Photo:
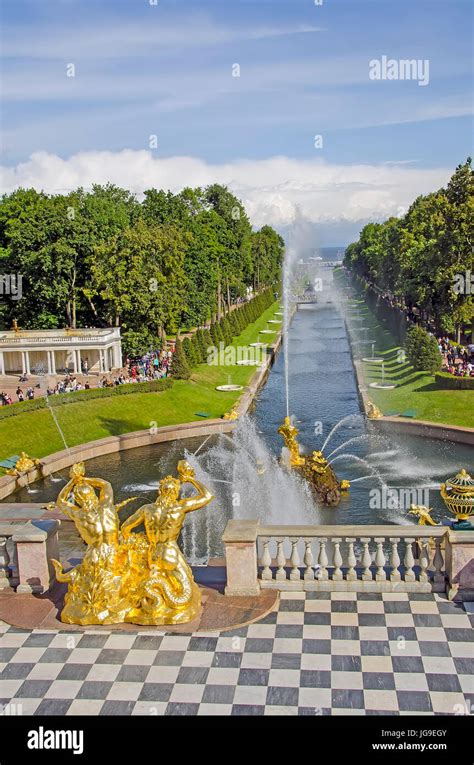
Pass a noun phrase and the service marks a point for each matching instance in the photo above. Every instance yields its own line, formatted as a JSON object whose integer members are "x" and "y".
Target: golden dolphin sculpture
{"x": 141, "y": 578}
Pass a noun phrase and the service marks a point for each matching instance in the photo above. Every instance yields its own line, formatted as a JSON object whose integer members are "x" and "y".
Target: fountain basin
{"x": 382, "y": 386}
{"x": 267, "y": 331}
{"x": 258, "y": 345}
{"x": 274, "y": 321}
{"x": 227, "y": 388}
{"x": 248, "y": 363}
{"x": 374, "y": 360}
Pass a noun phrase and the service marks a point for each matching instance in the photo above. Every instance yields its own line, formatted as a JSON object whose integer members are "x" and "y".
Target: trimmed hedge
{"x": 450, "y": 382}
{"x": 85, "y": 395}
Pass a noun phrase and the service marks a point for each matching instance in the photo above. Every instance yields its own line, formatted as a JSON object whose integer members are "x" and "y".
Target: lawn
{"x": 415, "y": 390}
{"x": 36, "y": 433}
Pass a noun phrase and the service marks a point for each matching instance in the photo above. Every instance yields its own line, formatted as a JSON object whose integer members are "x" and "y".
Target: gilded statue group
{"x": 141, "y": 578}
{"x": 314, "y": 467}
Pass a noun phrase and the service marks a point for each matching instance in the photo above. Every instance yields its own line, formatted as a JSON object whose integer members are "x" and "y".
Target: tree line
{"x": 196, "y": 349}
{"x": 425, "y": 258}
{"x": 103, "y": 258}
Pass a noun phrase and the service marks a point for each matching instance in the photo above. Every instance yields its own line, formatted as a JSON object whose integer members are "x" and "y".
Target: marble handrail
{"x": 351, "y": 557}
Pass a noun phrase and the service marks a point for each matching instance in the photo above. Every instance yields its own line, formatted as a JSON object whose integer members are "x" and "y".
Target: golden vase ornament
{"x": 458, "y": 496}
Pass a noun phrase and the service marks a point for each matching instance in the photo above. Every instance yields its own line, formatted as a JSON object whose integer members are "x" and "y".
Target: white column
{"x": 27, "y": 359}
{"x": 53, "y": 363}
{"x": 74, "y": 360}
{"x": 2, "y": 364}
{"x": 106, "y": 361}
{"x": 50, "y": 369}
{"x": 117, "y": 350}
{"x": 78, "y": 363}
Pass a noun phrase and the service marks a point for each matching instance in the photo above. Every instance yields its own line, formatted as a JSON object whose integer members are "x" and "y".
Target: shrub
{"x": 216, "y": 334}
{"x": 226, "y": 330}
{"x": 179, "y": 365}
{"x": 85, "y": 395}
{"x": 201, "y": 345}
{"x": 189, "y": 352}
{"x": 450, "y": 382}
{"x": 422, "y": 350}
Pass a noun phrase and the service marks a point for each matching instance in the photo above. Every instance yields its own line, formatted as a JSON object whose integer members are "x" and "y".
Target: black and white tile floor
{"x": 317, "y": 653}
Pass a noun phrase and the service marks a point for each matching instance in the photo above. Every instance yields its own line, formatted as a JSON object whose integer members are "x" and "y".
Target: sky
{"x": 274, "y": 98}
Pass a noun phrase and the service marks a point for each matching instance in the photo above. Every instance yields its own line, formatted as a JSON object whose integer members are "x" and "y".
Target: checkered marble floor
{"x": 317, "y": 653}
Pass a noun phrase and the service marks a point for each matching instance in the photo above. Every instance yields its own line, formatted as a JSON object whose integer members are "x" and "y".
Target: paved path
{"x": 319, "y": 653}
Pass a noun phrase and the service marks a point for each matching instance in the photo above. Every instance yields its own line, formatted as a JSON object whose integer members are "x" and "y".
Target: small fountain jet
{"x": 314, "y": 468}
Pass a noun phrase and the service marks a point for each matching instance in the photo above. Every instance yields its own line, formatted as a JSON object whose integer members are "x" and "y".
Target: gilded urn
{"x": 458, "y": 496}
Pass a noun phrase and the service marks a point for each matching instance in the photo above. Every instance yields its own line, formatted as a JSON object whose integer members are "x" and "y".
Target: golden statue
{"x": 289, "y": 433}
{"x": 232, "y": 415}
{"x": 23, "y": 465}
{"x": 314, "y": 467}
{"x": 125, "y": 577}
{"x": 373, "y": 412}
{"x": 168, "y": 594}
{"x": 96, "y": 589}
{"x": 423, "y": 514}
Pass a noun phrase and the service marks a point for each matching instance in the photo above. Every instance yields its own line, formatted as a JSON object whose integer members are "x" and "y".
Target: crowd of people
{"x": 151, "y": 366}
{"x": 457, "y": 360}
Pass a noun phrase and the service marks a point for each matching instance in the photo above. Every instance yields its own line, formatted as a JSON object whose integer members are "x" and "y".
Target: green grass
{"x": 36, "y": 433}
{"x": 415, "y": 390}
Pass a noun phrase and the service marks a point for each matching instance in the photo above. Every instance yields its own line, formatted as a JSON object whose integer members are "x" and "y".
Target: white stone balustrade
{"x": 328, "y": 558}
{"x": 26, "y": 550}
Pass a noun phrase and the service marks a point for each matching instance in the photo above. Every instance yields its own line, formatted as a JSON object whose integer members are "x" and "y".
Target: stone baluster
{"x": 351, "y": 560}
{"x": 12, "y": 562}
{"x": 366, "y": 560}
{"x": 266, "y": 559}
{"x": 409, "y": 560}
{"x": 438, "y": 562}
{"x": 294, "y": 559}
{"x": 394, "y": 560}
{"x": 308, "y": 560}
{"x": 380, "y": 575}
{"x": 322, "y": 559}
{"x": 281, "y": 560}
{"x": 4, "y": 558}
{"x": 424, "y": 560}
{"x": 337, "y": 558}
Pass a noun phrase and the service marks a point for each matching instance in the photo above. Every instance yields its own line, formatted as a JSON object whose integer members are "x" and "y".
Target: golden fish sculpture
{"x": 142, "y": 578}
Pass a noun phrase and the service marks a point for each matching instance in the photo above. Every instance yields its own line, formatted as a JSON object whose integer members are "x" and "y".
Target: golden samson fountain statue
{"x": 142, "y": 578}
{"x": 313, "y": 467}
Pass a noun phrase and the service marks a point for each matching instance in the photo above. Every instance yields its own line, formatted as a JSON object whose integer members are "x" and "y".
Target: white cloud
{"x": 273, "y": 190}
{"x": 106, "y": 38}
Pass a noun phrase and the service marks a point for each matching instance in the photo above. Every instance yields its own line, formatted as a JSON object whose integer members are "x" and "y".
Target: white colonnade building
{"x": 55, "y": 351}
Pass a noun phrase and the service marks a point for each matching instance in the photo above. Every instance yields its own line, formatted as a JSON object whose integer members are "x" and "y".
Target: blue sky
{"x": 143, "y": 69}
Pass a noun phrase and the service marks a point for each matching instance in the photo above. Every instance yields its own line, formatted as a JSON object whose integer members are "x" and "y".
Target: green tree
{"x": 179, "y": 365}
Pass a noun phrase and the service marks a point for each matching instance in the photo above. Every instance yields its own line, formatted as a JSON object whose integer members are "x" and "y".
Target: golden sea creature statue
{"x": 23, "y": 465}
{"x": 314, "y": 467}
{"x": 289, "y": 433}
{"x": 458, "y": 496}
{"x": 232, "y": 415}
{"x": 168, "y": 594}
{"x": 423, "y": 514}
{"x": 125, "y": 577}
{"x": 373, "y": 412}
{"x": 96, "y": 588}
